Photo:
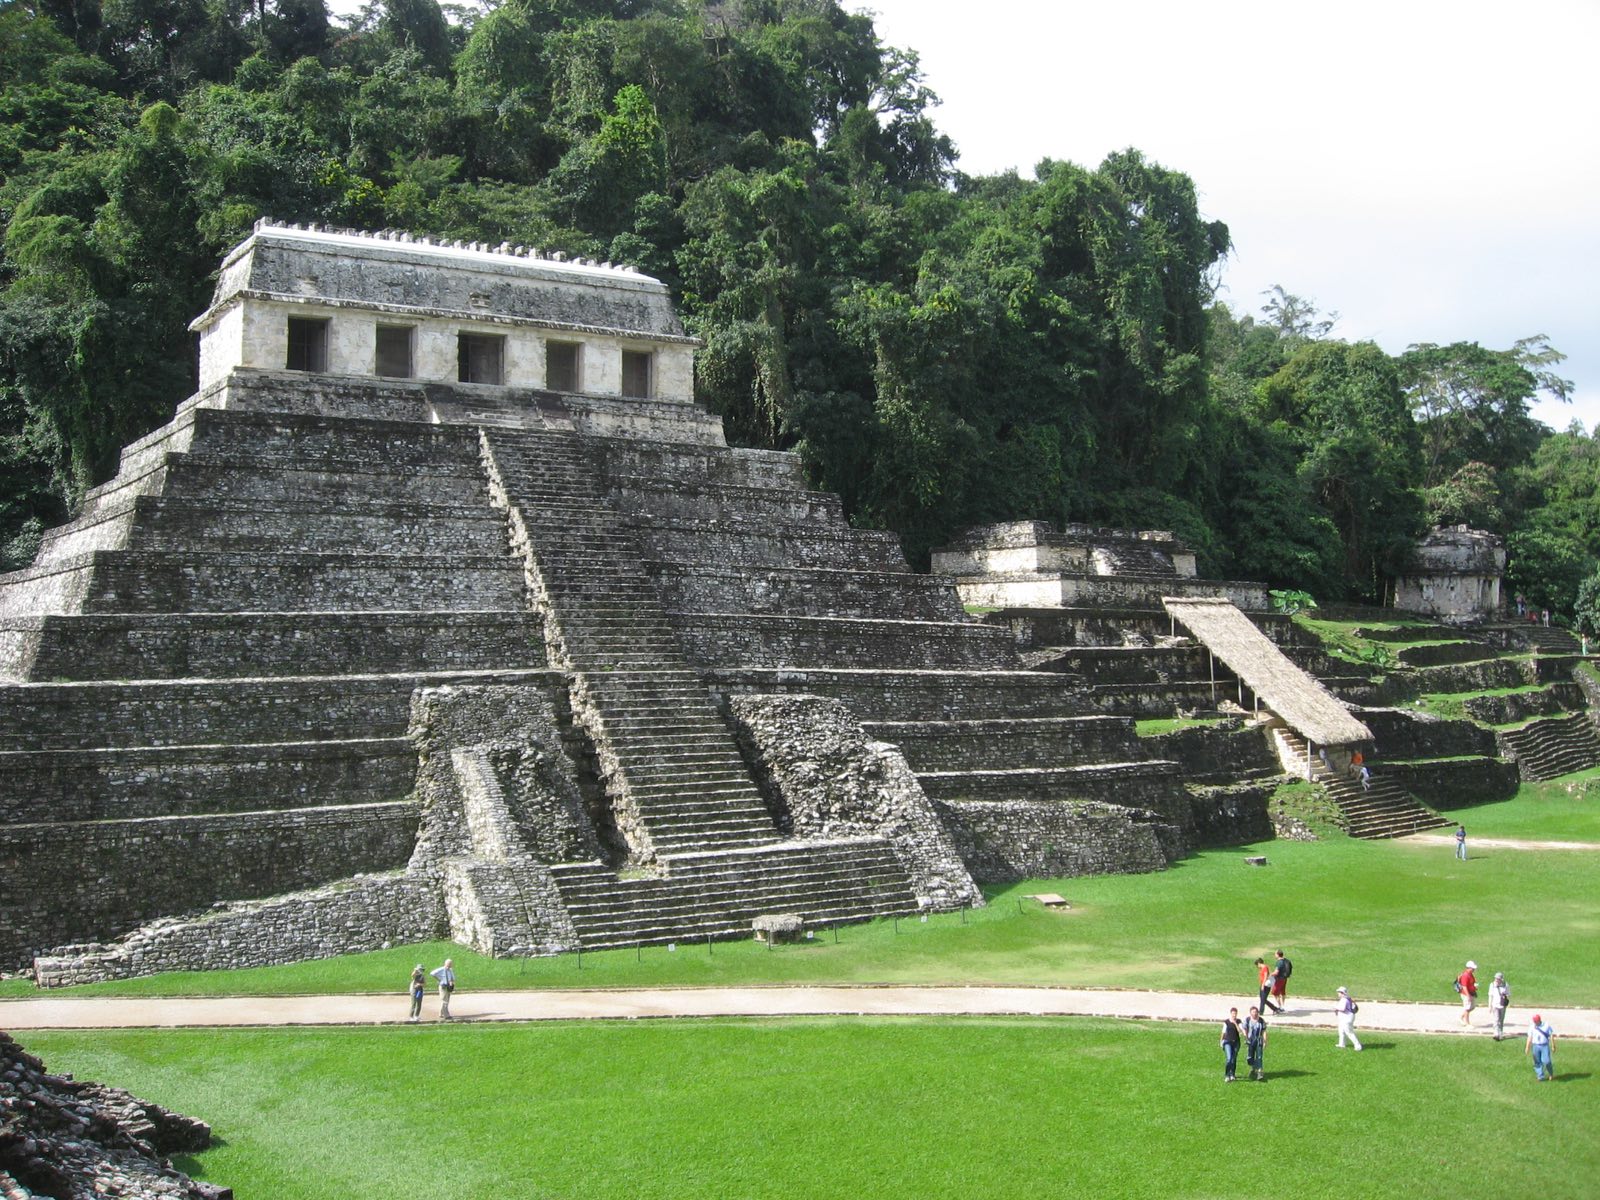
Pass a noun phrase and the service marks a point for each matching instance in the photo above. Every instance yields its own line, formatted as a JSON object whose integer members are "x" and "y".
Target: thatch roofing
{"x": 1304, "y": 704}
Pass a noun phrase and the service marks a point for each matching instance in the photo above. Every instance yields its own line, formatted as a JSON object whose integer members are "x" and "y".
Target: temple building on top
{"x": 388, "y": 305}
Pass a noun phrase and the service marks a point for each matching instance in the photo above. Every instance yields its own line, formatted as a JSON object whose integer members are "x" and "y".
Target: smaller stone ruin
{"x": 1027, "y": 564}
{"x": 69, "y": 1140}
{"x": 1454, "y": 576}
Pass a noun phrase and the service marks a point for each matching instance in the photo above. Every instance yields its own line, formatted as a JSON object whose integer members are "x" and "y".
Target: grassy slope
{"x": 1563, "y": 810}
{"x": 850, "y": 1108}
{"x": 1389, "y": 920}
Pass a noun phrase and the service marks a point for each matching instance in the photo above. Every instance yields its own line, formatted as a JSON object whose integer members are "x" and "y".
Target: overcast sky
{"x": 1429, "y": 170}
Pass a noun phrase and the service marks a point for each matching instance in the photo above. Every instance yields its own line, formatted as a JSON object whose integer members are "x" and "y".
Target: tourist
{"x": 1357, "y": 763}
{"x": 1499, "y": 1001}
{"x": 1281, "y": 971}
{"x": 1264, "y": 979}
{"x": 1255, "y": 1041}
{"x": 446, "y": 975}
{"x": 1540, "y": 1035}
{"x": 1461, "y": 843}
{"x": 1366, "y": 778}
{"x": 419, "y": 985}
{"x": 1467, "y": 985}
{"x": 1230, "y": 1045}
{"x": 1346, "y": 1012}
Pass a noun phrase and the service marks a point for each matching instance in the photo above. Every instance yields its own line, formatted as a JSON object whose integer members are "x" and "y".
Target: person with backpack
{"x": 1499, "y": 1001}
{"x": 1467, "y": 986}
{"x": 1461, "y": 842}
{"x": 1281, "y": 971}
{"x": 1230, "y": 1045}
{"x": 1345, "y": 1011}
{"x": 1540, "y": 1036}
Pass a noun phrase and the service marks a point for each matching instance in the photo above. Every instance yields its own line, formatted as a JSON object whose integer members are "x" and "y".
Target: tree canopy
{"x": 941, "y": 349}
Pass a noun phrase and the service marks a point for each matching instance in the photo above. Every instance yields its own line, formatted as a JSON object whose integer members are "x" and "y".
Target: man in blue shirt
{"x": 1540, "y": 1035}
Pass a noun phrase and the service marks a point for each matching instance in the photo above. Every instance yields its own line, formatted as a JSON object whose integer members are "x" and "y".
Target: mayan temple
{"x": 440, "y": 609}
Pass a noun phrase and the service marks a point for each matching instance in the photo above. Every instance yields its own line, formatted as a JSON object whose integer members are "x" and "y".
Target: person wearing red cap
{"x": 1540, "y": 1036}
{"x": 1467, "y": 985}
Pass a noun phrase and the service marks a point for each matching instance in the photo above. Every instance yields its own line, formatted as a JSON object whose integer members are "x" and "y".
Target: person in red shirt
{"x": 1467, "y": 985}
{"x": 1264, "y": 978}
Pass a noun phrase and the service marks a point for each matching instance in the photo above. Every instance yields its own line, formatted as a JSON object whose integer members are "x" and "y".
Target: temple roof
{"x": 397, "y": 273}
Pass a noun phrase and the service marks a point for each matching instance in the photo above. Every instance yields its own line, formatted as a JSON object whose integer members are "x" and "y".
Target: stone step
{"x": 219, "y": 645}
{"x": 699, "y": 586}
{"x": 776, "y": 545}
{"x": 63, "y": 716}
{"x": 1026, "y": 742}
{"x": 112, "y": 784}
{"x": 130, "y": 581}
{"x": 718, "y": 895}
{"x": 901, "y": 695}
{"x": 724, "y": 640}
{"x": 1127, "y": 783}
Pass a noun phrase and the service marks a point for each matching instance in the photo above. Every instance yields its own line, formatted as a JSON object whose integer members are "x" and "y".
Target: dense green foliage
{"x": 849, "y": 1107}
{"x": 942, "y": 349}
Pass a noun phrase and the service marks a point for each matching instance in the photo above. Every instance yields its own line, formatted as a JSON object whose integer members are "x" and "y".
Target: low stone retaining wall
{"x": 364, "y": 913}
{"x": 1003, "y": 841}
{"x": 1456, "y": 782}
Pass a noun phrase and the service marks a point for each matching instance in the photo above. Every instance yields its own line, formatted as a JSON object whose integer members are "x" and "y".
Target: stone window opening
{"x": 392, "y": 359}
{"x": 637, "y": 368}
{"x": 480, "y": 358}
{"x": 563, "y": 366}
{"x": 308, "y": 344}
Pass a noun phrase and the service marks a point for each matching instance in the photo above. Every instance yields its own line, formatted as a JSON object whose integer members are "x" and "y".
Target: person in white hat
{"x": 1467, "y": 985}
{"x": 1346, "y": 1012}
{"x": 1499, "y": 1001}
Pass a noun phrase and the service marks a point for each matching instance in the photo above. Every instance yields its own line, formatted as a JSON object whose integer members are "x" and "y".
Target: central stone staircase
{"x": 683, "y": 795}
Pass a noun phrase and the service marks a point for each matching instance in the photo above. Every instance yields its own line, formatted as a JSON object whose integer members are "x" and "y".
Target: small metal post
{"x": 580, "y": 956}
{"x": 963, "y": 914}
{"x": 708, "y": 945}
{"x": 835, "y": 935}
{"x": 638, "y": 951}
{"x": 897, "y": 923}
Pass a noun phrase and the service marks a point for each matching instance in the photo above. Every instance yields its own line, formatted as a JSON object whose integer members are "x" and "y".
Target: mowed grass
{"x": 821, "y": 1108}
{"x": 1557, "y": 810}
{"x": 1392, "y": 920}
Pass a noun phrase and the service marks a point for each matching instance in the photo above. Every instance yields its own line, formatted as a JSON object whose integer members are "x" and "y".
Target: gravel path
{"x": 82, "y": 1012}
{"x": 1494, "y": 843}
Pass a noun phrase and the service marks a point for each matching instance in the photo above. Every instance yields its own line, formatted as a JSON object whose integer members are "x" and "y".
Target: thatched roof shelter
{"x": 1304, "y": 704}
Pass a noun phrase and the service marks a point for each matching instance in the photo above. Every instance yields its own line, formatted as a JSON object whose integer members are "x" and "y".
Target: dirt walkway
{"x": 1494, "y": 843}
{"x": 116, "y": 1012}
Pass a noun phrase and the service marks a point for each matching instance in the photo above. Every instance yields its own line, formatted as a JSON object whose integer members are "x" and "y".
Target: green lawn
{"x": 849, "y": 1108}
{"x": 1389, "y": 920}
{"x": 1559, "y": 810}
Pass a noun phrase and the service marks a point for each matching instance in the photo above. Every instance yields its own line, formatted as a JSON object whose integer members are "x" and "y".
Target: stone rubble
{"x": 69, "y": 1140}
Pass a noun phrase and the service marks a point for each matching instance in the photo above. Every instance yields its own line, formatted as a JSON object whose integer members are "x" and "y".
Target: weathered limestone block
{"x": 778, "y": 927}
{"x": 827, "y": 780}
{"x": 1004, "y": 841}
{"x": 506, "y": 908}
{"x": 515, "y": 777}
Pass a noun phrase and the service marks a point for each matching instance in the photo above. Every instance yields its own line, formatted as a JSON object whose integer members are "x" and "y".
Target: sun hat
{"x": 1341, "y": 989}
{"x": 1471, "y": 966}
{"x": 1499, "y": 974}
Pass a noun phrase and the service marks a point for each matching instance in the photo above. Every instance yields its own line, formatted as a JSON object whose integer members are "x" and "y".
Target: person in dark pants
{"x": 1255, "y": 1044}
{"x": 1264, "y": 977}
{"x": 1230, "y": 1045}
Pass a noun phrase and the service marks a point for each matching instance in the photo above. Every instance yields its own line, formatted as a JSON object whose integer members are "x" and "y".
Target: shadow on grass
{"x": 192, "y": 1166}
{"x": 1290, "y": 1074}
{"x": 1571, "y": 1077}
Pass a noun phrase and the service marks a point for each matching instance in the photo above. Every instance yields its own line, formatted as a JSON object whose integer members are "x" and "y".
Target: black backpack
{"x": 1288, "y": 968}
